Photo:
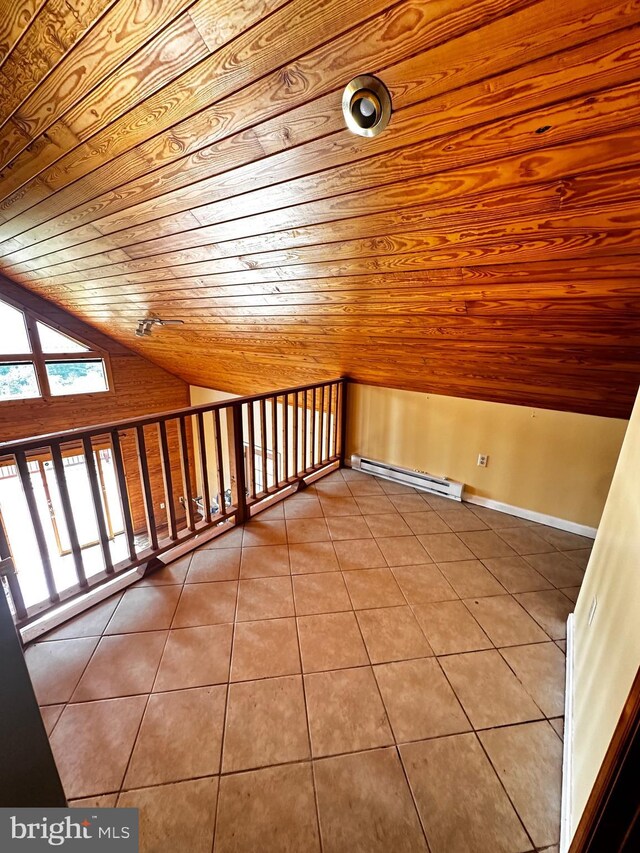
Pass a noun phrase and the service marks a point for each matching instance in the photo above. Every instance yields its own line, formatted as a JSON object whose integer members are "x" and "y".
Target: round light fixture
{"x": 366, "y": 106}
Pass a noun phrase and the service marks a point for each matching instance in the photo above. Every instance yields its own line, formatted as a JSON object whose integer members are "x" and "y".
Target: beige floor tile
{"x": 462, "y": 519}
{"x": 362, "y": 488}
{"x": 365, "y": 805}
{"x": 331, "y": 488}
{"x": 562, "y": 539}
{"x": 122, "y": 665}
{"x": 579, "y": 557}
{"x": 180, "y": 737}
{"x": 300, "y": 506}
{"x": 462, "y": 804}
{"x": 50, "y": 715}
{"x": 392, "y": 633}
{"x": 320, "y": 593}
{"x": 470, "y": 578}
{"x": 89, "y": 624}
{"x": 144, "y": 609}
{"x": 177, "y": 817}
{"x": 541, "y": 669}
{"x": 307, "y": 530}
{"x": 408, "y": 503}
{"x": 419, "y": 701}
{"x": 231, "y": 538}
{"x": 271, "y": 513}
{"x": 557, "y": 568}
{"x": 450, "y": 628}
{"x": 55, "y": 667}
{"x": 264, "y": 533}
{"x": 528, "y": 760}
{"x": 106, "y": 801}
{"x": 497, "y": 520}
{"x": 222, "y": 564}
{"x": 504, "y": 621}
{"x": 272, "y": 810}
{"x": 387, "y": 524}
{"x": 206, "y": 604}
{"x": 264, "y": 598}
{"x": 489, "y": 692}
{"x": 172, "y": 573}
{"x": 266, "y": 724}
{"x": 339, "y": 505}
{"x": 265, "y": 649}
{"x": 348, "y": 527}
{"x": 562, "y": 645}
{"x": 359, "y": 554}
{"x": 373, "y": 588}
{"x": 375, "y": 504}
{"x": 423, "y": 584}
{"x": 346, "y": 713}
{"x": 524, "y": 540}
{"x": 331, "y": 641}
{"x": 486, "y": 543}
{"x": 92, "y": 743}
{"x": 445, "y": 547}
{"x": 550, "y": 609}
{"x": 515, "y": 574}
{"x": 403, "y": 551}
{"x": 558, "y": 726}
{"x": 195, "y": 657}
{"x": 425, "y": 522}
{"x": 391, "y": 488}
{"x": 311, "y": 557}
{"x": 571, "y": 592}
{"x": 264, "y": 561}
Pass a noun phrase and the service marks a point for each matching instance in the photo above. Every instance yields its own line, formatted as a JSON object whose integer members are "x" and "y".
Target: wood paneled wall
{"x": 188, "y": 158}
{"x": 140, "y": 388}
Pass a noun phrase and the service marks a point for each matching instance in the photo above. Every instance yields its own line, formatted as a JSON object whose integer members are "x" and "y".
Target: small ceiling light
{"x": 145, "y": 326}
{"x": 366, "y": 106}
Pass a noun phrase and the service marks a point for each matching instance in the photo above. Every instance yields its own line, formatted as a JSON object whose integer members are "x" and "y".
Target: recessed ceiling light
{"x": 366, "y": 106}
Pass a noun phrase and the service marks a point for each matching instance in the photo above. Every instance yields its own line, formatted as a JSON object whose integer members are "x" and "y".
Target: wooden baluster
{"x": 343, "y": 421}
{"x": 321, "y": 428}
{"x": 314, "y": 433}
{"x": 121, "y": 478}
{"x": 304, "y": 432}
{"x": 9, "y": 571}
{"x": 45, "y": 557}
{"x": 336, "y": 417}
{"x": 185, "y": 467}
{"x": 329, "y": 416}
{"x": 285, "y": 436}
{"x": 251, "y": 449}
{"x": 263, "y": 443}
{"x": 274, "y": 442}
{"x": 237, "y": 464}
{"x": 67, "y": 511}
{"x": 147, "y": 493}
{"x": 96, "y": 495}
{"x": 219, "y": 462}
{"x": 165, "y": 460}
{"x": 204, "y": 468}
{"x": 296, "y": 450}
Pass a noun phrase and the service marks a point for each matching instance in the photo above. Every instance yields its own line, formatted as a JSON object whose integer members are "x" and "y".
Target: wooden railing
{"x": 176, "y": 477}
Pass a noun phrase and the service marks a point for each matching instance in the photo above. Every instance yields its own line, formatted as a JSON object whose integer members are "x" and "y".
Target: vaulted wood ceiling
{"x": 190, "y": 160}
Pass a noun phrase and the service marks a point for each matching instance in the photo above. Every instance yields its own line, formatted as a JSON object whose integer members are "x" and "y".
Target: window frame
{"x": 39, "y": 359}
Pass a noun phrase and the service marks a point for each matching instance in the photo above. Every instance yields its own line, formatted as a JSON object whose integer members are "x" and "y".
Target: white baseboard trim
{"x": 532, "y": 515}
{"x": 567, "y": 752}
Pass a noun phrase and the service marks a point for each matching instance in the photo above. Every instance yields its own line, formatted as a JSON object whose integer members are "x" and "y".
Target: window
{"x": 37, "y": 360}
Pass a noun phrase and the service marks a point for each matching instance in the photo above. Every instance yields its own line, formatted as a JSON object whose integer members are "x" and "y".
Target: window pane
{"x": 54, "y": 341}
{"x": 18, "y": 381}
{"x": 13, "y": 332}
{"x": 76, "y": 377}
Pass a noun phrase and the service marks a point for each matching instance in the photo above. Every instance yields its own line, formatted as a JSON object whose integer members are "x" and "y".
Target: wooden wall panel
{"x": 487, "y": 244}
{"x": 140, "y": 388}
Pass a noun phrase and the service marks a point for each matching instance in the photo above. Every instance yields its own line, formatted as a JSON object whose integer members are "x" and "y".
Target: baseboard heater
{"x": 441, "y": 486}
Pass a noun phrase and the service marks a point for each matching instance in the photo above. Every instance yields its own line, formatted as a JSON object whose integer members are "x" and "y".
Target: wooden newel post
{"x": 237, "y": 465}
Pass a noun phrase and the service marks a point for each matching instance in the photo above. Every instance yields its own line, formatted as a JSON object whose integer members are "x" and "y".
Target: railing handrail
{"x": 78, "y": 433}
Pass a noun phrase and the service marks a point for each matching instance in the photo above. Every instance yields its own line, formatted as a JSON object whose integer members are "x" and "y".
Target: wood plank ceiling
{"x": 189, "y": 160}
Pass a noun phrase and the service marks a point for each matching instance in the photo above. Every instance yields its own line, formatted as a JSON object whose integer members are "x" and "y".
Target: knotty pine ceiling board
{"x": 188, "y": 159}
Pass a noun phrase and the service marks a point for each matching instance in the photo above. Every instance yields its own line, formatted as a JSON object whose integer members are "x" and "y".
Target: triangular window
{"x": 53, "y": 341}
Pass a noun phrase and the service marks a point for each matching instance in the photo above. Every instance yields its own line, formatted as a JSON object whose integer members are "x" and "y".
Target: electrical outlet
{"x": 483, "y": 460}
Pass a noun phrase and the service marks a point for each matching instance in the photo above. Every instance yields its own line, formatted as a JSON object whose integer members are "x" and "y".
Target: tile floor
{"x": 361, "y": 668}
